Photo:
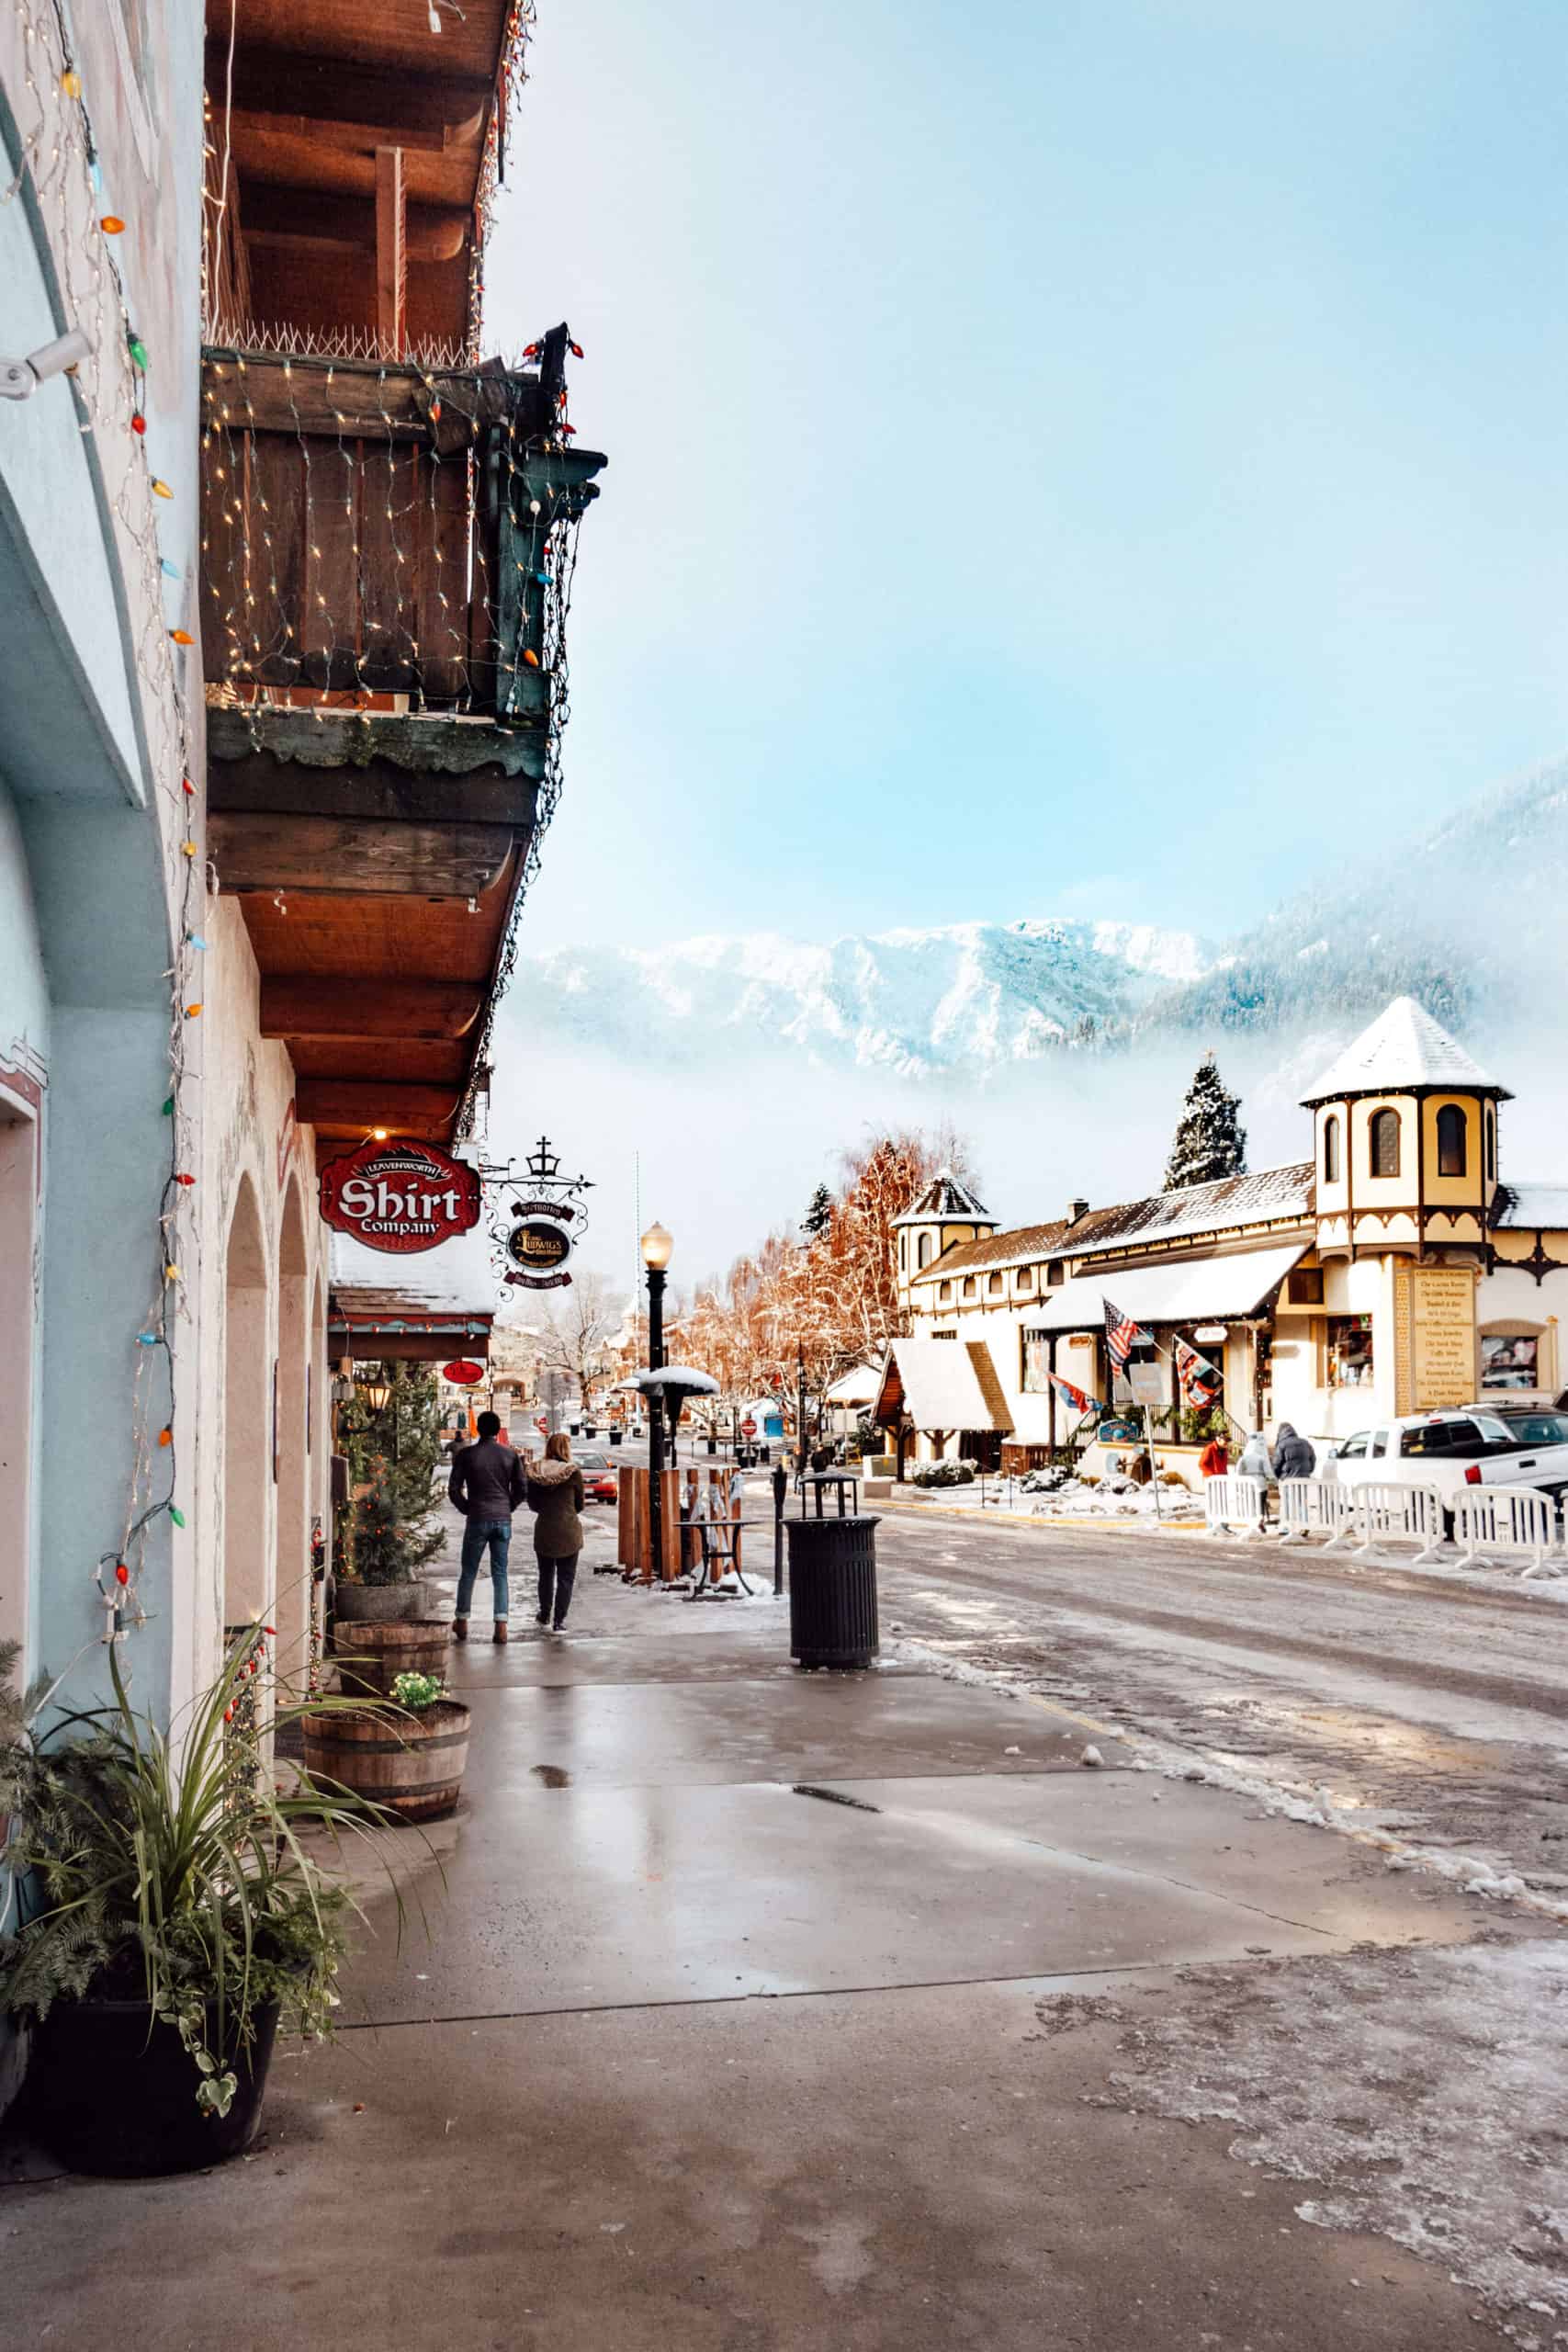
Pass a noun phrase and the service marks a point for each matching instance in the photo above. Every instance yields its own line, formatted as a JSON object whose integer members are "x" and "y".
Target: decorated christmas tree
{"x": 1210, "y": 1140}
{"x": 397, "y": 1450}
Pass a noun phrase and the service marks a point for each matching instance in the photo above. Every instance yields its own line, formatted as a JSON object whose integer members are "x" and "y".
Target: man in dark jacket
{"x": 1294, "y": 1457}
{"x": 487, "y": 1485}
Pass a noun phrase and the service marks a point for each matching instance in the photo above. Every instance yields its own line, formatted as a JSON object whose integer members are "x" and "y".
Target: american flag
{"x": 1075, "y": 1397}
{"x": 1200, "y": 1381}
{"x": 1121, "y": 1335}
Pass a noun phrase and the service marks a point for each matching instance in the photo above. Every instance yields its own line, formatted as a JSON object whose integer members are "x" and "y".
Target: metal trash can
{"x": 615, "y": 1437}
{"x": 832, "y": 1591}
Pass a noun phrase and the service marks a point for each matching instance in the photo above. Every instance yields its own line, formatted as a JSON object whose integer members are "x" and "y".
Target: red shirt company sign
{"x": 399, "y": 1196}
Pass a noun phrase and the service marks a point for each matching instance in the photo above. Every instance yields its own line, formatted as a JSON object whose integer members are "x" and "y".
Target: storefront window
{"x": 1509, "y": 1359}
{"x": 1350, "y": 1351}
{"x": 1036, "y": 1365}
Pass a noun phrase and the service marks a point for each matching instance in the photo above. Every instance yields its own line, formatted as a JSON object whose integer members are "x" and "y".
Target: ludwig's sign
{"x": 540, "y": 1248}
{"x": 399, "y": 1196}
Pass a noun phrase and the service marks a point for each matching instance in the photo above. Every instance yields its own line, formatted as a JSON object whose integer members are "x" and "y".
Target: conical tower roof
{"x": 945, "y": 1198}
{"x": 1403, "y": 1051}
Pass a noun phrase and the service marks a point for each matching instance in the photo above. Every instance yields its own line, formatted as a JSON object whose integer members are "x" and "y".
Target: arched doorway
{"x": 247, "y": 1414}
{"x": 292, "y": 1457}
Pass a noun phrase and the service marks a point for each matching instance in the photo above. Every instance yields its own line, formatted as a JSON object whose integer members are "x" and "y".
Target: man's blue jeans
{"x": 497, "y": 1533}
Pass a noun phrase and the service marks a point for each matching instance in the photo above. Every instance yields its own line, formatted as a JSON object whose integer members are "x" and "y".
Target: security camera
{"x": 19, "y": 378}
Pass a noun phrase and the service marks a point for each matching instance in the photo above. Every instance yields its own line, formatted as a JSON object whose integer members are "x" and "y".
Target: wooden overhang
{"x": 350, "y": 144}
{"x": 381, "y": 1326}
{"x": 377, "y": 635}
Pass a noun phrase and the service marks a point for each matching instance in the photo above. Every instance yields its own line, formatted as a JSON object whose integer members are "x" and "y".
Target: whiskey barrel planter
{"x": 380, "y": 1602}
{"x": 411, "y": 1764}
{"x": 370, "y": 1656}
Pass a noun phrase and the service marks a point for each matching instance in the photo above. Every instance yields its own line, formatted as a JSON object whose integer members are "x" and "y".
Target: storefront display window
{"x": 1510, "y": 1359}
{"x": 1350, "y": 1351}
{"x": 1036, "y": 1363}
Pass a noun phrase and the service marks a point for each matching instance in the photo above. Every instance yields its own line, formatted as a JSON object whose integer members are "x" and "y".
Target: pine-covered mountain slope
{"x": 1470, "y": 921}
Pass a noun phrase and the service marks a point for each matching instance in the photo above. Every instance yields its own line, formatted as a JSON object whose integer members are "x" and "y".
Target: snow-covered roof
{"x": 1538, "y": 1208}
{"x": 945, "y": 1197}
{"x": 1267, "y": 1197}
{"x": 856, "y": 1386}
{"x": 941, "y": 1385}
{"x": 1192, "y": 1290}
{"x": 1404, "y": 1048}
{"x": 455, "y": 1278}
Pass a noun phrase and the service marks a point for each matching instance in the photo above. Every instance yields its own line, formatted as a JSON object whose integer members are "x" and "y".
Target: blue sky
{"x": 1096, "y": 459}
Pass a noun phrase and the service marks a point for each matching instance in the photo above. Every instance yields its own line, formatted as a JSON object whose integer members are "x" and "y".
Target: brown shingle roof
{"x": 1270, "y": 1194}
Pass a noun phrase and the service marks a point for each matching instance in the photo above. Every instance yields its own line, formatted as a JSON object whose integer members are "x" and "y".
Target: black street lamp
{"x": 657, "y": 1247}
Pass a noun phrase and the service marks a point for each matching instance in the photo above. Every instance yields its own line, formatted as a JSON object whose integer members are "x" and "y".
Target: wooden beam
{"x": 391, "y": 252}
{"x": 345, "y": 1106}
{"x": 288, "y": 91}
{"x": 322, "y": 220}
{"x": 267, "y": 784}
{"x": 303, "y": 855}
{"x": 322, "y": 1010}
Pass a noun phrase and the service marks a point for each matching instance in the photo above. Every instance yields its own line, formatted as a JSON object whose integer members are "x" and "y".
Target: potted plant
{"x": 410, "y": 1762}
{"x": 167, "y": 1916}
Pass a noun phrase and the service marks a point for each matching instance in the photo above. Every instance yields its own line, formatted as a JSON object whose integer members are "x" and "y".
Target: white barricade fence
{"x": 1390, "y": 1514}
{"x": 1315, "y": 1506}
{"x": 1506, "y": 1523}
{"x": 1234, "y": 1502}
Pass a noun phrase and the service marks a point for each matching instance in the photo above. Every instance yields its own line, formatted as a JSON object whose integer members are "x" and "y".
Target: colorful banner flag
{"x": 1121, "y": 1335}
{"x": 1075, "y": 1397}
{"x": 1200, "y": 1380}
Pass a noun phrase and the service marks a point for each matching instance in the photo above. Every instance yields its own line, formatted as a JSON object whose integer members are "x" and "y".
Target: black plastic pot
{"x": 106, "y": 2097}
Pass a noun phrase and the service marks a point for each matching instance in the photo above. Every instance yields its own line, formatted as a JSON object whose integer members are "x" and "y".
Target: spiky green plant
{"x": 146, "y": 1867}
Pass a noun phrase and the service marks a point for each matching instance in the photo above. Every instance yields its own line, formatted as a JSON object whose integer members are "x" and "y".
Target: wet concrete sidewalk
{"x": 735, "y": 2033}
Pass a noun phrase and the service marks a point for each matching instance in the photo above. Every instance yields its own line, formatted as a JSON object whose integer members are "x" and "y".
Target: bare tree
{"x": 579, "y": 1326}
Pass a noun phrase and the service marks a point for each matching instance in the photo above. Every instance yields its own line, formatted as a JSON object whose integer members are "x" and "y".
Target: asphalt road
{"x": 1434, "y": 1709}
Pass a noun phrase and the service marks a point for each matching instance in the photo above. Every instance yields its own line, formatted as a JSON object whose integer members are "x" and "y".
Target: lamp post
{"x": 657, "y": 1246}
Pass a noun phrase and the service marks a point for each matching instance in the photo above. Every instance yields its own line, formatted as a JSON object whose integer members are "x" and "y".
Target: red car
{"x": 598, "y": 1478}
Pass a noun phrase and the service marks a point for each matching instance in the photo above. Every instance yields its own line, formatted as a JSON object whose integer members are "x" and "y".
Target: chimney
{"x": 1077, "y": 1208}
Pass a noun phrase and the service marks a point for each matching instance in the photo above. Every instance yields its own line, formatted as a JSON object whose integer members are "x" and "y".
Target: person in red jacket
{"x": 1215, "y": 1460}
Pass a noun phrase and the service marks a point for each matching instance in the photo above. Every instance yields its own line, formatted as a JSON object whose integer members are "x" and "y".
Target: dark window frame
{"x": 1331, "y": 1163}
{"x": 1453, "y": 1147}
{"x": 1385, "y": 1123}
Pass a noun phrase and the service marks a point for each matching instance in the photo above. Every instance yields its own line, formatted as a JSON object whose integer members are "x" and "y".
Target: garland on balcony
{"x": 60, "y": 172}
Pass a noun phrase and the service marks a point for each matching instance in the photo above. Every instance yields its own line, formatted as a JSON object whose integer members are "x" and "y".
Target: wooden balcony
{"x": 386, "y": 563}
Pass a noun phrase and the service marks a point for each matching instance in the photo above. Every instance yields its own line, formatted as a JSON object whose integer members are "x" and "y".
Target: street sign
{"x": 463, "y": 1373}
{"x": 1147, "y": 1383}
{"x": 399, "y": 1196}
{"x": 748, "y": 1427}
{"x": 543, "y": 1425}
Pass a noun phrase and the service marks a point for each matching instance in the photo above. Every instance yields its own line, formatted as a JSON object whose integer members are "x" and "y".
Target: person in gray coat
{"x": 556, "y": 1497}
{"x": 1294, "y": 1456}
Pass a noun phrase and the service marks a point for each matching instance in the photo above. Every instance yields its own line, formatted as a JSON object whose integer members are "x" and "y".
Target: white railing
{"x": 1315, "y": 1506}
{"x": 1234, "y": 1501}
{"x": 1507, "y": 1524}
{"x": 1390, "y": 1514}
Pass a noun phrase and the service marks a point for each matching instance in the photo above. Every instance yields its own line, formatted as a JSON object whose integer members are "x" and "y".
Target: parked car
{"x": 598, "y": 1477}
{"x": 1490, "y": 1444}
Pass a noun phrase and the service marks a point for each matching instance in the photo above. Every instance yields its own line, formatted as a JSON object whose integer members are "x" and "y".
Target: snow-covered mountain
{"x": 1469, "y": 920}
{"x": 970, "y": 995}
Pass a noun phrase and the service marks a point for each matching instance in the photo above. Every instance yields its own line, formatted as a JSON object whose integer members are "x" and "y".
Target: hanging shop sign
{"x": 399, "y": 1196}
{"x": 538, "y": 1247}
{"x": 464, "y": 1372}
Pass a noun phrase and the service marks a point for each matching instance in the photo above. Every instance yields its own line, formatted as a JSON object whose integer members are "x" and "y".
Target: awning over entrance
{"x": 1193, "y": 1290}
{"x": 421, "y": 1308}
{"x": 941, "y": 1385}
{"x": 372, "y": 1329}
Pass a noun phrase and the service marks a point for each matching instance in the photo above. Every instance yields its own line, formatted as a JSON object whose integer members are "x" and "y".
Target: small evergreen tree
{"x": 1210, "y": 1141}
{"x": 819, "y": 1215}
{"x": 397, "y": 1449}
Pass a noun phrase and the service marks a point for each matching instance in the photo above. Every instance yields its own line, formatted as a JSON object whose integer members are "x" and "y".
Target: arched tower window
{"x": 1331, "y": 1149}
{"x": 1491, "y": 1144}
{"x": 1385, "y": 1143}
{"x": 924, "y": 1250}
{"x": 903, "y": 1253}
{"x": 1452, "y": 1140}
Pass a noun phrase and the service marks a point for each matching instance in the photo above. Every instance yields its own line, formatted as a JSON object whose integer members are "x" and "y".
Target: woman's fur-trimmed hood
{"x": 552, "y": 1474}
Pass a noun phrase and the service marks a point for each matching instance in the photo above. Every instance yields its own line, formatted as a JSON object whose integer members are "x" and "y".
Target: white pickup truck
{"x": 1499, "y": 1445}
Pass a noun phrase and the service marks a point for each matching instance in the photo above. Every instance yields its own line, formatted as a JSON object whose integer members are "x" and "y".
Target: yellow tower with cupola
{"x": 946, "y": 1213}
{"x": 1406, "y": 1152}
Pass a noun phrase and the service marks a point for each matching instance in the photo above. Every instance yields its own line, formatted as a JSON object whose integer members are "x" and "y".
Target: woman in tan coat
{"x": 554, "y": 1497}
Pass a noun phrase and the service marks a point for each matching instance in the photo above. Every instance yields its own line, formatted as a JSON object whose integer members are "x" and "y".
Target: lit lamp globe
{"x": 656, "y": 1249}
